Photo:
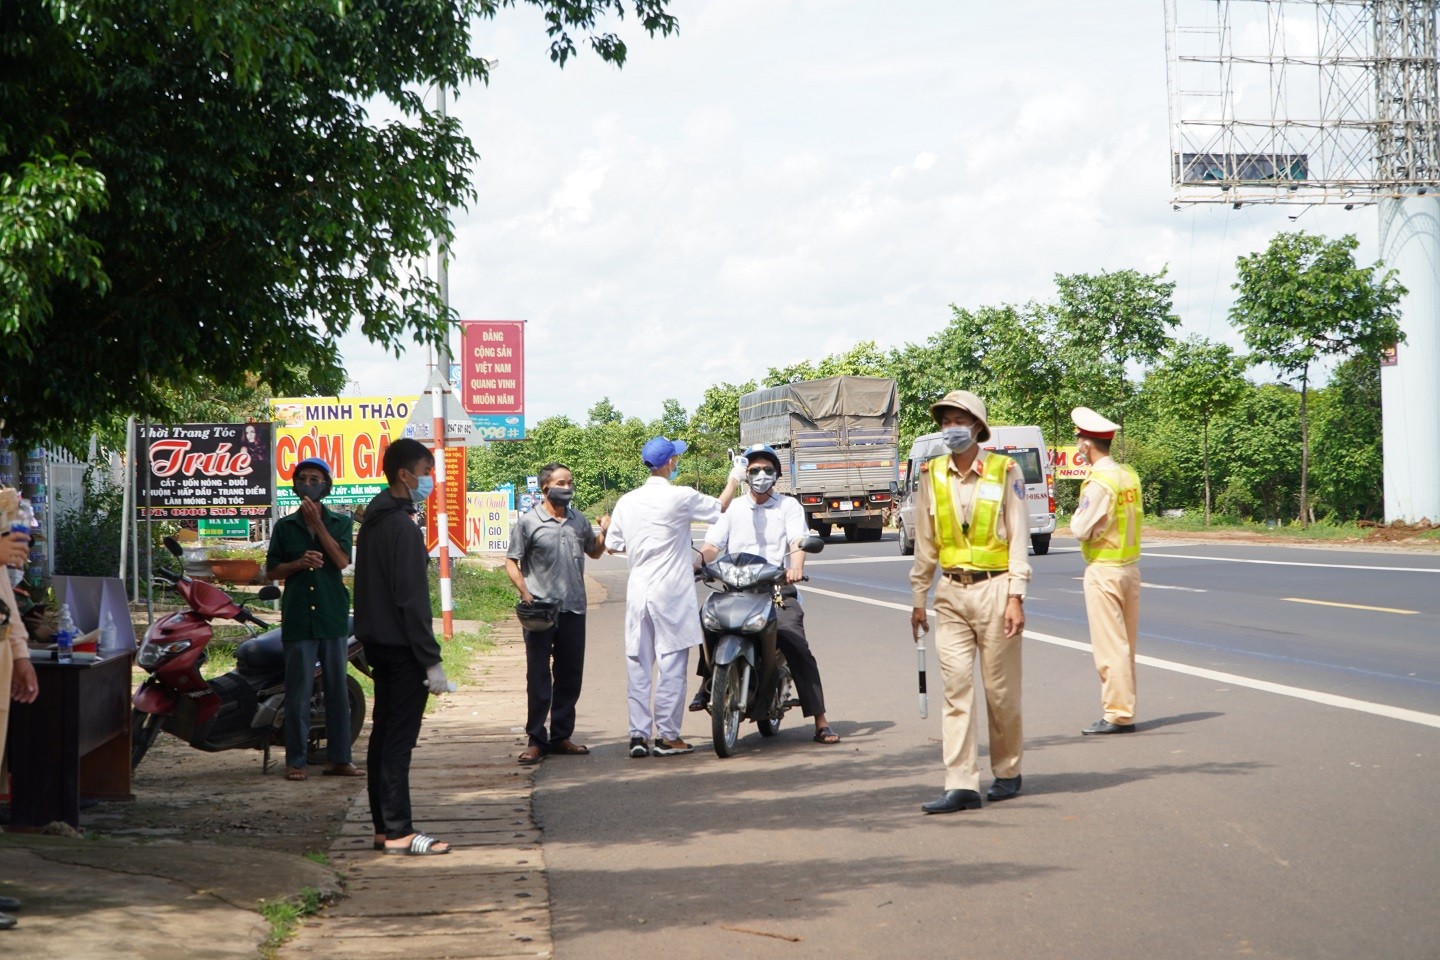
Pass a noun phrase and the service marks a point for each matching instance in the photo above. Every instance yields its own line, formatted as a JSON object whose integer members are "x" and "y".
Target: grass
{"x": 285, "y": 915}
{"x": 476, "y": 591}
{"x": 1322, "y": 530}
{"x": 318, "y": 857}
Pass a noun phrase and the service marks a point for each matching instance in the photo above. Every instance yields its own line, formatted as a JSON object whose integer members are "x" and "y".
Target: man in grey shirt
{"x": 546, "y": 559}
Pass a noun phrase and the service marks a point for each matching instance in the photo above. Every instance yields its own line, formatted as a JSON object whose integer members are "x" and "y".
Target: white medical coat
{"x": 651, "y": 525}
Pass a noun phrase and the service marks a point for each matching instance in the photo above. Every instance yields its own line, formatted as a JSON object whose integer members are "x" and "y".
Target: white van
{"x": 1024, "y": 445}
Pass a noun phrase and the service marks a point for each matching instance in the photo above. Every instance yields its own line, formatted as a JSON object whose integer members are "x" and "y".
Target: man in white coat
{"x": 651, "y": 526}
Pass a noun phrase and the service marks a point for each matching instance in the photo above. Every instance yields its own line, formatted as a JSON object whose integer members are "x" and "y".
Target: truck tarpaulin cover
{"x": 834, "y": 404}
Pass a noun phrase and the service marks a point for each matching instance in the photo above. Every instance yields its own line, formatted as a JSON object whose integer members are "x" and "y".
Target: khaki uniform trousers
{"x": 971, "y": 620}
{"x": 1112, "y": 605}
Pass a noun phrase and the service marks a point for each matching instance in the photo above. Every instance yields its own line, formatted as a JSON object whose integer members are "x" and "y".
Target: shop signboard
{"x": 203, "y": 470}
{"x": 348, "y": 433}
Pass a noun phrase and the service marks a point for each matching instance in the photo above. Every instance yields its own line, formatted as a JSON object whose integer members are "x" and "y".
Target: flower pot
{"x": 235, "y": 571}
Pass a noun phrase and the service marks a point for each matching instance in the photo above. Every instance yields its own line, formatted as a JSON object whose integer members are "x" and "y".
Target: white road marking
{"x": 1289, "y": 563}
{"x": 1299, "y": 693}
{"x": 1166, "y": 586}
{"x": 813, "y": 563}
{"x": 1348, "y": 606}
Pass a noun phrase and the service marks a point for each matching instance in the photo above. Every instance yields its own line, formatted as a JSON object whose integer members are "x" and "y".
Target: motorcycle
{"x": 749, "y": 679}
{"x": 244, "y": 708}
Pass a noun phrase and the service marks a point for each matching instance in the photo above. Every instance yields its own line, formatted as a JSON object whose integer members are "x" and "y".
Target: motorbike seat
{"x": 261, "y": 653}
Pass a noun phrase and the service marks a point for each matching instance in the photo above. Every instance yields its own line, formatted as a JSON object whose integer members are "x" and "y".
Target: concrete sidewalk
{"x": 489, "y": 897}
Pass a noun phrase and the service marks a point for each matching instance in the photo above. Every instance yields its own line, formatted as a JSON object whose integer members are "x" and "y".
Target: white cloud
{"x": 786, "y": 178}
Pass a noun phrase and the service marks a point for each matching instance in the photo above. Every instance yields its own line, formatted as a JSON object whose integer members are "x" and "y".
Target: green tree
{"x": 1303, "y": 300}
{"x": 864, "y": 359}
{"x": 195, "y": 189}
{"x": 1256, "y": 447}
{"x": 1197, "y": 381}
{"x": 602, "y": 413}
{"x": 674, "y": 421}
{"x": 1350, "y": 466}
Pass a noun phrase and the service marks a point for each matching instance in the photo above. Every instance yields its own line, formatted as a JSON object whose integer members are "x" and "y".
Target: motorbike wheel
{"x": 144, "y": 728}
{"x": 319, "y": 737}
{"x": 769, "y": 726}
{"x": 725, "y": 709}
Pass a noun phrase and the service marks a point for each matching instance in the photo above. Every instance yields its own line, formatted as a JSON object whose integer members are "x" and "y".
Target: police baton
{"x": 919, "y": 633}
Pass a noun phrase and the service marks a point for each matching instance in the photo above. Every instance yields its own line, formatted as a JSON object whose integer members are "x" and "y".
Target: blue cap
{"x": 313, "y": 462}
{"x": 658, "y": 451}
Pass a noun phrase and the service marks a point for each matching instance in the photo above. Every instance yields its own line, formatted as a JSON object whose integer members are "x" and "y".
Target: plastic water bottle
{"x": 23, "y": 523}
{"x": 105, "y": 643}
{"x": 65, "y": 636}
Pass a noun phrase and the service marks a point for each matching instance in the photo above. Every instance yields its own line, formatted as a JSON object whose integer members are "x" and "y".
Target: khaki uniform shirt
{"x": 1013, "y": 526}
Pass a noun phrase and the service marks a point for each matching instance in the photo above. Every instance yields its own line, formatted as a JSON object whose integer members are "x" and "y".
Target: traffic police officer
{"x": 971, "y": 525}
{"x": 1107, "y": 524}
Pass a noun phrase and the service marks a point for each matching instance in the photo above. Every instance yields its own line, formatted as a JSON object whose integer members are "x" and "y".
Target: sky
{"x": 786, "y": 178}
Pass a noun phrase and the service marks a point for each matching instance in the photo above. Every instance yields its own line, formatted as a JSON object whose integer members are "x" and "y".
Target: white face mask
{"x": 761, "y": 480}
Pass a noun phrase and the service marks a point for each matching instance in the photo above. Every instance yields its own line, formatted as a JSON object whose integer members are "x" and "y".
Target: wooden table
{"x": 73, "y": 741}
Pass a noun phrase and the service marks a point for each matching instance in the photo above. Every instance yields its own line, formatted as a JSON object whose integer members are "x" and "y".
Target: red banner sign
{"x": 454, "y": 506}
{"x": 492, "y": 366}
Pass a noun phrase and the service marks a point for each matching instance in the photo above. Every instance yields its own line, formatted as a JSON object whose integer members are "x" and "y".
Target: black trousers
{"x": 790, "y": 638}
{"x": 400, "y": 695}
{"x": 554, "y": 666}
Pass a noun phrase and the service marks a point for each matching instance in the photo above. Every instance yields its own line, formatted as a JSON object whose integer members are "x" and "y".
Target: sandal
{"x": 342, "y": 770}
{"x": 569, "y": 748}
{"x": 295, "y": 773}
{"x": 420, "y": 845}
{"x": 826, "y": 735}
{"x": 532, "y": 755}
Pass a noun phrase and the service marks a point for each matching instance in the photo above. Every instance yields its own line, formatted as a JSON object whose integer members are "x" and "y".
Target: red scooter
{"x": 245, "y": 708}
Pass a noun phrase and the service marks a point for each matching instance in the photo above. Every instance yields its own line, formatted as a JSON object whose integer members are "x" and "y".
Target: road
{"x": 1278, "y": 800}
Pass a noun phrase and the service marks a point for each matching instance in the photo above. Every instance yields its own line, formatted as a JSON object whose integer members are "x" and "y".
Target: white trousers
{"x": 668, "y": 690}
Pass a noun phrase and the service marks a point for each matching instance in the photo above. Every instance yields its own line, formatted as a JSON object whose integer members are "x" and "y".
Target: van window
{"x": 1029, "y": 460}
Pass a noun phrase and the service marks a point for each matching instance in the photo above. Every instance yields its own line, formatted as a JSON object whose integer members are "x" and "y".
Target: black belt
{"x": 967, "y": 577}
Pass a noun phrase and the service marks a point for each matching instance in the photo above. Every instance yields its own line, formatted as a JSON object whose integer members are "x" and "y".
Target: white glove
{"x": 436, "y": 681}
{"x": 737, "y": 470}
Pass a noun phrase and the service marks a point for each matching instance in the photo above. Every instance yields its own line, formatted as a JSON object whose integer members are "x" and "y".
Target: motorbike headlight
{"x": 756, "y": 623}
{"x": 709, "y": 621}
{"x": 153, "y": 653}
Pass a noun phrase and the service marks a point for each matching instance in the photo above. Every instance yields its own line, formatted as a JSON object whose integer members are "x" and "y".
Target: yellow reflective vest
{"x": 977, "y": 546}
{"x": 1121, "y": 543}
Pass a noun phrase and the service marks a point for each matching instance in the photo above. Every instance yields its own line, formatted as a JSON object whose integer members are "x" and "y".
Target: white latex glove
{"x": 737, "y": 469}
{"x": 436, "y": 681}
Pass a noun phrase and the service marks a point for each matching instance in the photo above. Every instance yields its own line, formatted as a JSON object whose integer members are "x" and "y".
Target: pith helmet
{"x": 971, "y": 404}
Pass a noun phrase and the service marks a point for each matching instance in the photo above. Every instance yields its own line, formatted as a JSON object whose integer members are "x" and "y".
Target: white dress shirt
{"x": 768, "y": 529}
{"x": 651, "y": 526}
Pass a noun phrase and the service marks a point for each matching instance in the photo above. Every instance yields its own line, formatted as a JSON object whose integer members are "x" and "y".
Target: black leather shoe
{"x": 1105, "y": 726}
{"x": 9, "y": 904}
{"x": 1003, "y": 788}
{"x": 952, "y": 801}
{"x": 702, "y": 698}
{"x": 6, "y": 921}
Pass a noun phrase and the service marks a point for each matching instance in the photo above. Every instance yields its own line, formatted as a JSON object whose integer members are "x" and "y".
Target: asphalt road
{"x": 1278, "y": 800}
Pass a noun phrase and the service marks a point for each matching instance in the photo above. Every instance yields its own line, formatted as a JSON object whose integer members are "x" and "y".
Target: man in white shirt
{"x": 772, "y": 527}
{"x": 651, "y": 526}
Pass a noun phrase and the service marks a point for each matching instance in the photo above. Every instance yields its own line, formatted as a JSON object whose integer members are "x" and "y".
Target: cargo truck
{"x": 838, "y": 441}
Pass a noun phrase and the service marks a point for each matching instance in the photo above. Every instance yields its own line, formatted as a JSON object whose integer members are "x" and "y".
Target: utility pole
{"x": 439, "y": 386}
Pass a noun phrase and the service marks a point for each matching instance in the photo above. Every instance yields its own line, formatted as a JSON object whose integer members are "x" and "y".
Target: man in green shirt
{"x": 309, "y": 550}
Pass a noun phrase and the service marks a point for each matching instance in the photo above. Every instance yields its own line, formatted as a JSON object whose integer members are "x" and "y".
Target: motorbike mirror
{"x": 812, "y": 544}
{"x": 268, "y": 592}
{"x": 173, "y": 546}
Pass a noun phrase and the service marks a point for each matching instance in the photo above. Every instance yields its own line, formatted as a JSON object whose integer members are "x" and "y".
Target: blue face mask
{"x": 674, "y": 473}
{"x": 426, "y": 487}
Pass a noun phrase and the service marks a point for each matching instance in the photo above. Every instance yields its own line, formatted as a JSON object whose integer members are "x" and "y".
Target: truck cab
{"x": 1023, "y": 444}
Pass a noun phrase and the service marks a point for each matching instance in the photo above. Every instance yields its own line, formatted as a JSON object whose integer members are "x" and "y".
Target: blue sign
{"x": 499, "y": 426}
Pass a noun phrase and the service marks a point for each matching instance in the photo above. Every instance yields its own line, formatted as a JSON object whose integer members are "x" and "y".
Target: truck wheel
{"x": 907, "y": 546}
{"x": 849, "y": 530}
{"x": 1041, "y": 543}
{"x": 868, "y": 534}
{"x": 822, "y": 530}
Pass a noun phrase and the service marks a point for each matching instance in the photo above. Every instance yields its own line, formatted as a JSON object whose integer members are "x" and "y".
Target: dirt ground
{"x": 186, "y": 794}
